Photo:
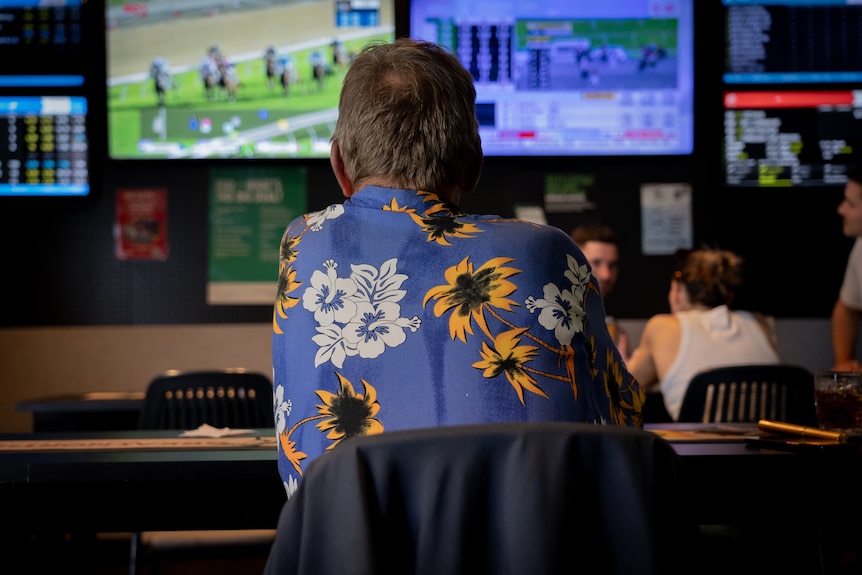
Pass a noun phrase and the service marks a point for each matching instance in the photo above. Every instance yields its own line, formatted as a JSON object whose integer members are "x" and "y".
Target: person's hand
{"x": 623, "y": 345}
{"x": 848, "y": 365}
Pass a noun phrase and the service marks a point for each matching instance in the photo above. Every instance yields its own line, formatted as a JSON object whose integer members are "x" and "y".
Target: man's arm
{"x": 845, "y": 330}
{"x": 623, "y": 344}
{"x": 640, "y": 363}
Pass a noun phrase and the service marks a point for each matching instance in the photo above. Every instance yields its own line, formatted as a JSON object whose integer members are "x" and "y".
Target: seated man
{"x": 396, "y": 310}
{"x": 602, "y": 249}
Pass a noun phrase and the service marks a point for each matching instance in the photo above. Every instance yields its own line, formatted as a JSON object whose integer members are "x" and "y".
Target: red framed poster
{"x": 141, "y": 224}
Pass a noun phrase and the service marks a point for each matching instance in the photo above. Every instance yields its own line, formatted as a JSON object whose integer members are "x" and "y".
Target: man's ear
{"x": 337, "y": 163}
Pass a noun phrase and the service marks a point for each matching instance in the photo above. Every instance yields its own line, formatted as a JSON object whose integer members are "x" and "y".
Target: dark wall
{"x": 59, "y": 266}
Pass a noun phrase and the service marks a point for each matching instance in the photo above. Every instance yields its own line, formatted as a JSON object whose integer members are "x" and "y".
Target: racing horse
{"x": 228, "y": 79}
{"x": 270, "y": 65}
{"x": 210, "y": 71}
{"x": 340, "y": 58}
{"x": 320, "y": 70}
{"x": 287, "y": 74}
{"x": 163, "y": 80}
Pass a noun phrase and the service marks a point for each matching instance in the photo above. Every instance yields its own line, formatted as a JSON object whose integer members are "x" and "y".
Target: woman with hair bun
{"x": 703, "y": 330}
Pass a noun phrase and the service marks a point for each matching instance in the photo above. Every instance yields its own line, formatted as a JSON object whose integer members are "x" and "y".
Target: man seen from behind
{"x": 397, "y": 310}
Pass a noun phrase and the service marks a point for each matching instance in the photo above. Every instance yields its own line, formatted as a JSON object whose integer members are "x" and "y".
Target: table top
{"x": 139, "y": 480}
{"x": 111, "y": 456}
{"x": 145, "y": 480}
{"x": 687, "y": 439}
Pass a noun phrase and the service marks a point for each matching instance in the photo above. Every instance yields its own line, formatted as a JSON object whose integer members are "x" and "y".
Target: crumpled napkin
{"x": 207, "y": 430}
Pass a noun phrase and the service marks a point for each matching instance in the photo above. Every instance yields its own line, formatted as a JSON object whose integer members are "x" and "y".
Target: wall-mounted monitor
{"x": 792, "y": 41}
{"x": 791, "y": 138}
{"x": 256, "y": 79}
{"x": 792, "y": 107}
{"x": 46, "y": 117}
{"x": 563, "y": 78}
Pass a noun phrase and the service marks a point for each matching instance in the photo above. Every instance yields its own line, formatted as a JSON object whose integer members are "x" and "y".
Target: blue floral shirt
{"x": 395, "y": 310}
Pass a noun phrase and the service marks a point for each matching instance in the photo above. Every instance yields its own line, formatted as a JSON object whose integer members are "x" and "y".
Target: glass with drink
{"x": 838, "y": 400}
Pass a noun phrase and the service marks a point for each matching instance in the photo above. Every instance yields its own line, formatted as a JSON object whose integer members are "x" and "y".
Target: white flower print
{"x": 559, "y": 313}
{"x": 383, "y": 286}
{"x": 316, "y": 219}
{"x": 332, "y": 346}
{"x": 282, "y": 409}
{"x": 578, "y": 275}
{"x": 562, "y": 311}
{"x": 360, "y": 319}
{"x": 376, "y": 327}
{"x": 290, "y": 485}
{"x": 329, "y": 296}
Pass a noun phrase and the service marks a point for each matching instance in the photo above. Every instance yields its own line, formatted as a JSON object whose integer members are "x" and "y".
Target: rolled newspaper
{"x": 800, "y": 430}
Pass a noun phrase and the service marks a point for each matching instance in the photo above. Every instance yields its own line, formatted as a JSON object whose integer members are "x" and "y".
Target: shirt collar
{"x": 377, "y": 197}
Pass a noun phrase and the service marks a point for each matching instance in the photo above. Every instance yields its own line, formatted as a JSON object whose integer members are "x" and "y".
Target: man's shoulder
{"x": 525, "y": 228}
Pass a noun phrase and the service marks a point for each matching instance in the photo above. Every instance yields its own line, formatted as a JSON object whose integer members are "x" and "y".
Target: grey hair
{"x": 407, "y": 115}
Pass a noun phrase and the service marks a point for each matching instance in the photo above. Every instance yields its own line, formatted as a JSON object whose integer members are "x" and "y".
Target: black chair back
{"x": 538, "y": 498}
{"x": 748, "y": 393}
{"x": 227, "y": 398}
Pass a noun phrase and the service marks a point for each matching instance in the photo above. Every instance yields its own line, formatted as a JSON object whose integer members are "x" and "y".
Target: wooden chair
{"x": 177, "y": 400}
{"x": 748, "y": 393}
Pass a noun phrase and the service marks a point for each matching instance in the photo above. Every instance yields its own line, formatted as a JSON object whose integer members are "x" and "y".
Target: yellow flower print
{"x": 440, "y": 228}
{"x": 286, "y": 284}
{"x": 394, "y": 207}
{"x": 287, "y": 250}
{"x": 289, "y": 449}
{"x": 509, "y": 358}
{"x": 614, "y": 387}
{"x": 439, "y": 205}
{"x": 470, "y": 291}
{"x": 347, "y": 413}
{"x": 591, "y": 355}
{"x": 568, "y": 358}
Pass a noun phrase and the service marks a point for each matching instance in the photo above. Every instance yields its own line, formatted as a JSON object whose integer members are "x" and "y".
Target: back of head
{"x": 594, "y": 233}
{"x": 710, "y": 276}
{"x": 407, "y": 117}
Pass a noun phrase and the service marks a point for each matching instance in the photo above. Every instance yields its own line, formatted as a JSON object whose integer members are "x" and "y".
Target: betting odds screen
{"x": 792, "y": 103}
{"x": 44, "y": 139}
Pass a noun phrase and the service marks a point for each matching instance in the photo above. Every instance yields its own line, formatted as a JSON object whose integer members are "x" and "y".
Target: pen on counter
{"x": 800, "y": 430}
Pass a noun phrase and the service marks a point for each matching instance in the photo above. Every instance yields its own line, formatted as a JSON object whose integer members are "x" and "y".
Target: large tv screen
{"x": 196, "y": 79}
{"x": 563, "y": 78}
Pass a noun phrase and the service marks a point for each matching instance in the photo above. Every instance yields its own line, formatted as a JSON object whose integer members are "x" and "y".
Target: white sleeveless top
{"x": 851, "y": 287}
{"x": 713, "y": 338}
